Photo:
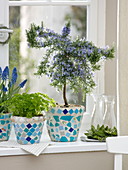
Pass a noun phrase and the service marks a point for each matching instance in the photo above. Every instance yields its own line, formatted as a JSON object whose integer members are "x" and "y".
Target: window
{"x": 48, "y": 11}
{"x": 28, "y": 59}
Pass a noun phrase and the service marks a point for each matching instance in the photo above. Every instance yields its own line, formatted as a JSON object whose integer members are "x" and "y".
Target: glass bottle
{"x": 98, "y": 111}
{"x": 109, "y": 116}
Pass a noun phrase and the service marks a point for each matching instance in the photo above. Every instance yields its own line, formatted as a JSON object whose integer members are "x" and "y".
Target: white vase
{"x": 98, "y": 111}
{"x": 109, "y": 116}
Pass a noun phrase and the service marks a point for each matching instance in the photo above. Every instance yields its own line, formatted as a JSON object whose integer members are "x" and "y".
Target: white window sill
{"x": 57, "y": 147}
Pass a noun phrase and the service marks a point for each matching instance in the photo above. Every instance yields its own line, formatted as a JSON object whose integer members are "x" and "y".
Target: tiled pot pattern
{"x": 28, "y": 130}
{"x": 5, "y": 126}
{"x": 64, "y": 123}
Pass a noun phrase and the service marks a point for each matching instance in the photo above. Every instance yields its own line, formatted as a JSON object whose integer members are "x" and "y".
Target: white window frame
{"x": 96, "y": 34}
{"x": 95, "y": 28}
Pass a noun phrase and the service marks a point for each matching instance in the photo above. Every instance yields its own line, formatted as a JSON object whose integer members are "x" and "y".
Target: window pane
{"x": 26, "y": 59}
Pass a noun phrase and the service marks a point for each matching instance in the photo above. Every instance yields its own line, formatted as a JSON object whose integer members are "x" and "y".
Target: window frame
{"x": 95, "y": 29}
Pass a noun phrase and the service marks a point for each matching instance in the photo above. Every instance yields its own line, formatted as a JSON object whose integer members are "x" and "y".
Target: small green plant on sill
{"x": 29, "y": 105}
{"x": 101, "y": 132}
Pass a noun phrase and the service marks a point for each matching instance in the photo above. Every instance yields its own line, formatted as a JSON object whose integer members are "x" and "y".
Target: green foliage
{"x": 29, "y": 105}
{"x": 14, "y": 48}
{"x": 14, "y": 17}
{"x": 101, "y": 132}
{"x": 16, "y": 60}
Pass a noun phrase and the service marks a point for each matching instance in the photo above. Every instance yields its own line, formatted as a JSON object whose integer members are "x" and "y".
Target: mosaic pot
{"x": 28, "y": 130}
{"x": 63, "y": 124}
{"x": 5, "y": 126}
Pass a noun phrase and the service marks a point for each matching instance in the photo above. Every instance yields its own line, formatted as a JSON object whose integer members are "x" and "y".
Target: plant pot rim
{"x": 5, "y": 113}
{"x": 18, "y": 119}
{"x": 61, "y": 106}
{"x": 67, "y": 111}
{"x": 70, "y": 105}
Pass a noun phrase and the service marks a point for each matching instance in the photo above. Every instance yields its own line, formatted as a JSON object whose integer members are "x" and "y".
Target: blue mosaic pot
{"x": 28, "y": 130}
{"x": 63, "y": 124}
{"x": 5, "y": 126}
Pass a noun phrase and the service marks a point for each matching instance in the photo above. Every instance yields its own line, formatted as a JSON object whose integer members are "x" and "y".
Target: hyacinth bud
{"x": 5, "y": 74}
{"x": 0, "y": 72}
{"x": 21, "y": 85}
{"x": 4, "y": 89}
{"x": 10, "y": 84}
{"x": 14, "y": 76}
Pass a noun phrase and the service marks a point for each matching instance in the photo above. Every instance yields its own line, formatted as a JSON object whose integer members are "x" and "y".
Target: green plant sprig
{"x": 29, "y": 105}
{"x": 101, "y": 132}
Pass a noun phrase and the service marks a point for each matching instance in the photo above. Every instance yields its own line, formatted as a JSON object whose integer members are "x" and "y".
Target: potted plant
{"x": 100, "y": 133}
{"x": 8, "y": 88}
{"x": 67, "y": 62}
{"x": 28, "y": 118}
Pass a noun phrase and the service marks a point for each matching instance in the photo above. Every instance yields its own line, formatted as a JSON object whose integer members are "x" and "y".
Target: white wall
{"x": 111, "y": 39}
{"x": 87, "y": 160}
{"x": 71, "y": 161}
{"x": 123, "y": 70}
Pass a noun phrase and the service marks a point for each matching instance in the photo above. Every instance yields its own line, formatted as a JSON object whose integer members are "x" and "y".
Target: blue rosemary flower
{"x": 65, "y": 31}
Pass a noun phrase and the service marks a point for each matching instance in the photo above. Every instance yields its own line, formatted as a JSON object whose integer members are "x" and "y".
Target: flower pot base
{"x": 64, "y": 124}
{"x": 28, "y": 131}
{"x": 64, "y": 139}
{"x": 5, "y": 126}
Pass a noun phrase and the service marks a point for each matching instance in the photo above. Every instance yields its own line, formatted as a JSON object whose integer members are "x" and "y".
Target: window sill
{"x": 57, "y": 147}
{"x": 62, "y": 147}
